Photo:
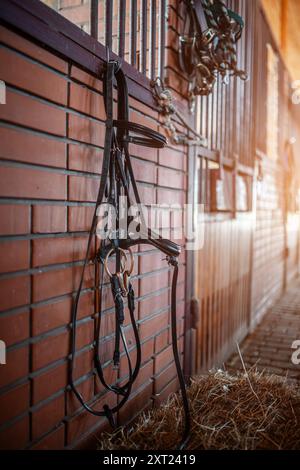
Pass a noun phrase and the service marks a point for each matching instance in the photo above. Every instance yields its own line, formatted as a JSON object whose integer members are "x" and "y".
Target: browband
{"x": 150, "y": 137}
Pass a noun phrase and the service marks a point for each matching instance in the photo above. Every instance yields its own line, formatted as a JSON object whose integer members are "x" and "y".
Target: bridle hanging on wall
{"x": 117, "y": 178}
{"x": 207, "y": 45}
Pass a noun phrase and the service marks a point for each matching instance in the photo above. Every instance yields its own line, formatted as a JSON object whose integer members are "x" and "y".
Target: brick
{"x": 136, "y": 404}
{"x": 47, "y": 383}
{"x": 49, "y": 219}
{"x": 110, "y": 374}
{"x": 142, "y": 119}
{"x": 108, "y": 323}
{"x": 83, "y": 189}
{"x": 86, "y": 101}
{"x": 16, "y": 367}
{"x": 147, "y": 153}
{"x": 27, "y": 147}
{"x": 84, "y": 363}
{"x": 80, "y": 14}
{"x": 58, "y": 313}
{"x": 86, "y": 78}
{"x": 14, "y": 219}
{"x": 162, "y": 359}
{"x": 156, "y": 281}
{"x": 164, "y": 377}
{"x": 30, "y": 112}
{"x": 171, "y": 388}
{"x": 86, "y": 390}
{"x": 86, "y": 130}
{"x": 147, "y": 348}
{"x": 151, "y": 326}
{"x": 16, "y": 70}
{"x": 58, "y": 282}
{"x": 70, "y": 3}
{"x": 177, "y": 220}
{"x": 161, "y": 220}
{"x": 107, "y": 349}
{"x": 85, "y": 334}
{"x": 51, "y": 315}
{"x": 162, "y": 340}
{"x": 50, "y": 349}
{"x": 14, "y": 256}
{"x": 180, "y": 330}
{"x": 144, "y": 376}
{"x": 14, "y": 402}
{"x": 16, "y": 436}
{"x": 151, "y": 261}
{"x": 14, "y": 327}
{"x": 174, "y": 20}
{"x": 144, "y": 171}
{"x": 82, "y": 422}
{"x": 58, "y": 250}
{"x": 176, "y": 83}
{"x": 85, "y": 158}
{"x": 39, "y": 53}
{"x": 173, "y": 62}
{"x": 147, "y": 194}
{"x": 54, "y": 347}
{"x": 143, "y": 108}
{"x": 167, "y": 196}
{"x": 90, "y": 440}
{"x": 170, "y": 178}
{"x": 180, "y": 291}
{"x": 28, "y": 183}
{"x": 153, "y": 303}
{"x": 180, "y": 306}
{"x": 14, "y": 292}
{"x": 80, "y": 218}
{"x": 172, "y": 159}
{"x": 47, "y": 416}
{"x": 55, "y": 440}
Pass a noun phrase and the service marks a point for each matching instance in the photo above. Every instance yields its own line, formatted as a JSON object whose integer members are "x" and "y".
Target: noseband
{"x": 117, "y": 178}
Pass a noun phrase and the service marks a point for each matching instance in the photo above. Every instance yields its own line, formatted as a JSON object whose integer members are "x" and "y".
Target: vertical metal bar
{"x": 191, "y": 317}
{"x": 108, "y": 23}
{"x": 94, "y": 19}
{"x": 162, "y": 38}
{"x": 153, "y": 38}
{"x": 201, "y": 181}
{"x": 133, "y": 32}
{"x": 144, "y": 37}
{"x": 122, "y": 17}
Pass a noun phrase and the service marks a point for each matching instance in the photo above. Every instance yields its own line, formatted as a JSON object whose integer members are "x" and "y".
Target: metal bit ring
{"x": 123, "y": 266}
{"x": 111, "y": 251}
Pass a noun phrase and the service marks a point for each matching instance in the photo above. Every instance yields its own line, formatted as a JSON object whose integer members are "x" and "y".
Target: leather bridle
{"x": 207, "y": 45}
{"x": 117, "y": 177}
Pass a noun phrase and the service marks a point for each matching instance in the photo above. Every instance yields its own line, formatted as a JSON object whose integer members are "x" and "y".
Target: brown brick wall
{"x": 51, "y": 135}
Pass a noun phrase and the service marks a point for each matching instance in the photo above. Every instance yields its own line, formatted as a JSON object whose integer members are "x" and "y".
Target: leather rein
{"x": 117, "y": 178}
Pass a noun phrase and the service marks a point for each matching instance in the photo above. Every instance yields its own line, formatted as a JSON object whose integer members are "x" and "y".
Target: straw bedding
{"x": 251, "y": 410}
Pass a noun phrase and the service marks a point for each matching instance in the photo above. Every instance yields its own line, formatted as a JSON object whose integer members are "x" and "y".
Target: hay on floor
{"x": 246, "y": 411}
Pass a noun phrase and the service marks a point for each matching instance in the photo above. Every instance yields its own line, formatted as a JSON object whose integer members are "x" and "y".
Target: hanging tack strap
{"x": 207, "y": 47}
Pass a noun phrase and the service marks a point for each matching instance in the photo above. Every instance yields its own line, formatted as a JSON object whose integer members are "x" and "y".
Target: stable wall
{"x": 51, "y": 148}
